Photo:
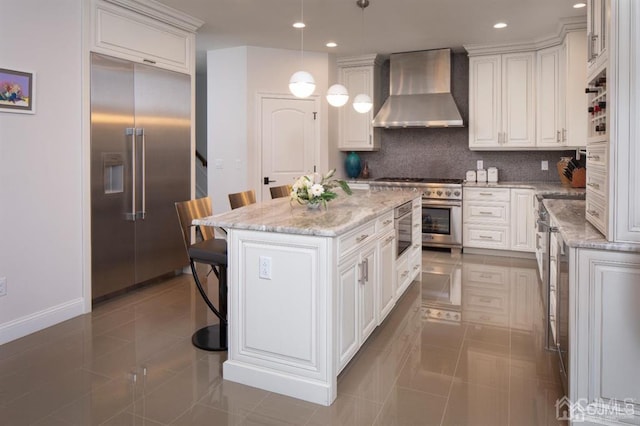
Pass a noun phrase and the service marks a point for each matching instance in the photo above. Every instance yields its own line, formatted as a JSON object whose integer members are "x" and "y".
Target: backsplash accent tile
{"x": 444, "y": 153}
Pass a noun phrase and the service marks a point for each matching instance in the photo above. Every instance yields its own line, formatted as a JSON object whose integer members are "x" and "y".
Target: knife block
{"x": 579, "y": 178}
{"x": 562, "y": 164}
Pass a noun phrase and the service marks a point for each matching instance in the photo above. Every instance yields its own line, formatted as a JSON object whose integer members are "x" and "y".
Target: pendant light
{"x": 337, "y": 95}
{"x": 301, "y": 83}
{"x": 362, "y": 103}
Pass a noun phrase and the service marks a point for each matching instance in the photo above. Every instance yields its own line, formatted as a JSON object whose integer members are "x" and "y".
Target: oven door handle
{"x": 440, "y": 203}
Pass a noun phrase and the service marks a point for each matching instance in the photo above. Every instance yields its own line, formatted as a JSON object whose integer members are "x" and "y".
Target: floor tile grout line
{"x": 455, "y": 370}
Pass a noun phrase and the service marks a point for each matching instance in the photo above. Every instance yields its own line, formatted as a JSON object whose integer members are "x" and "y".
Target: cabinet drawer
{"x": 596, "y": 182}
{"x": 497, "y": 213}
{"x": 403, "y": 275}
{"x": 486, "y": 194}
{"x": 495, "y": 237}
{"x": 597, "y": 156}
{"x": 384, "y": 223}
{"x": 356, "y": 238}
{"x": 595, "y": 212}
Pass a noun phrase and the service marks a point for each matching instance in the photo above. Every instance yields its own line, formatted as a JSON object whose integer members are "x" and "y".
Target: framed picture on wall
{"x": 17, "y": 91}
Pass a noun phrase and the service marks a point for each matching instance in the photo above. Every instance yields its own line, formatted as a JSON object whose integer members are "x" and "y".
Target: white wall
{"x": 40, "y": 169}
{"x": 235, "y": 77}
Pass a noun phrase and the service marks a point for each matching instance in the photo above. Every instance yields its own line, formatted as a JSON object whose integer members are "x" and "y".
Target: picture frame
{"x": 17, "y": 91}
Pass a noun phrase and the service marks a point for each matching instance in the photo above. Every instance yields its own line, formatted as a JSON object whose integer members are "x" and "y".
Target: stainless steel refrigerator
{"x": 140, "y": 166}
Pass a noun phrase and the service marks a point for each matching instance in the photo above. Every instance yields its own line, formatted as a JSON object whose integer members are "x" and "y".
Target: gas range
{"x": 432, "y": 188}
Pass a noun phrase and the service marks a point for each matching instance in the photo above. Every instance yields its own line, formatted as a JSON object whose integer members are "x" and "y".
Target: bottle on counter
{"x": 365, "y": 171}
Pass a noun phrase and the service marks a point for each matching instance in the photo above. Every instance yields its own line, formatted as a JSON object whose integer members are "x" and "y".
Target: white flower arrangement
{"x": 316, "y": 189}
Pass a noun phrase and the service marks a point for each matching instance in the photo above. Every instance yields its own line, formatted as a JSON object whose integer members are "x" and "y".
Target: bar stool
{"x": 211, "y": 251}
{"x": 241, "y": 199}
{"x": 280, "y": 191}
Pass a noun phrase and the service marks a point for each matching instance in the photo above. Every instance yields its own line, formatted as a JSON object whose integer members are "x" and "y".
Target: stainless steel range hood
{"x": 420, "y": 92}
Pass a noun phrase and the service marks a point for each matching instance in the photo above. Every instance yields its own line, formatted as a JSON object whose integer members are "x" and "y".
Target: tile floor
{"x": 131, "y": 362}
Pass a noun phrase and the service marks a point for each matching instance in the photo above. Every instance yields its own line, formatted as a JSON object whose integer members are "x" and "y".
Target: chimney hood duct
{"x": 420, "y": 92}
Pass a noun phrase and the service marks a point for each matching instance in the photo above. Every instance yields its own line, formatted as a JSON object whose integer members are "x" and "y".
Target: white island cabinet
{"x": 295, "y": 322}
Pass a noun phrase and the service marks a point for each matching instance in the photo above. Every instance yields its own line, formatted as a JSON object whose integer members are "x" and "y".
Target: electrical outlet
{"x": 265, "y": 267}
{"x": 544, "y": 165}
{"x": 479, "y": 164}
{"x": 3, "y": 286}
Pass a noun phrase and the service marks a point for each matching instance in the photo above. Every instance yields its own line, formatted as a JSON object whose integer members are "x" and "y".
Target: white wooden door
{"x": 522, "y": 220}
{"x": 348, "y": 281}
{"x": 289, "y": 140}
{"x": 367, "y": 294}
{"x": 518, "y": 114}
{"x": 356, "y": 130}
{"x": 386, "y": 279}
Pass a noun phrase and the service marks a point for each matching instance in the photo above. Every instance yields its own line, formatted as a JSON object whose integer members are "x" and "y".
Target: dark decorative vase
{"x": 352, "y": 165}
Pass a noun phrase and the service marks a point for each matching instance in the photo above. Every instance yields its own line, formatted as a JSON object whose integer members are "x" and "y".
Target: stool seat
{"x": 209, "y": 251}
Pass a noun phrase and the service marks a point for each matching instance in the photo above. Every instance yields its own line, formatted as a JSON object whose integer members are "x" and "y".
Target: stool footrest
{"x": 211, "y": 338}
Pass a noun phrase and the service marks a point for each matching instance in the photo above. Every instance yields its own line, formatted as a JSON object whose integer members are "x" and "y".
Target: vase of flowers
{"x": 315, "y": 189}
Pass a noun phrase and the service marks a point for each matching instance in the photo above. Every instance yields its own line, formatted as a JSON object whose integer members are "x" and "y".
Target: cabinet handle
{"x": 366, "y": 270}
{"x": 387, "y": 222}
{"x": 593, "y": 213}
{"x": 593, "y": 157}
{"x": 149, "y": 61}
{"x": 485, "y": 300}
{"x": 486, "y": 194}
{"x": 486, "y": 213}
{"x": 594, "y": 38}
{"x": 416, "y": 246}
{"x": 564, "y": 135}
{"x": 404, "y": 274}
{"x": 416, "y": 267}
{"x": 417, "y": 225}
{"x": 485, "y": 237}
{"x": 593, "y": 185}
{"x": 589, "y": 48}
{"x": 370, "y": 139}
{"x": 361, "y": 273}
{"x": 389, "y": 239}
{"x": 504, "y": 137}
{"x": 486, "y": 275}
{"x": 361, "y": 238}
{"x": 558, "y": 136}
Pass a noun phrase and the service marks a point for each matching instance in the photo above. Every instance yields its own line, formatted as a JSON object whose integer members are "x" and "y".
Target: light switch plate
{"x": 479, "y": 165}
{"x": 544, "y": 165}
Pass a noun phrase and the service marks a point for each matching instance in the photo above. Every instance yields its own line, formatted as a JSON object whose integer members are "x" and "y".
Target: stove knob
{"x": 456, "y": 193}
{"x": 456, "y": 316}
{"x": 439, "y": 192}
{"x": 448, "y": 193}
{"x": 427, "y": 193}
{"x": 439, "y": 314}
{"x": 448, "y": 315}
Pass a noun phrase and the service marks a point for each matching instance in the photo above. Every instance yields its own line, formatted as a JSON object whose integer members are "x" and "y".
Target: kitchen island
{"x": 307, "y": 287}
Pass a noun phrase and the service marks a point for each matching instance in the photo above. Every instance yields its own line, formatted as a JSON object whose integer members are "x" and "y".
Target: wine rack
{"x": 597, "y": 110}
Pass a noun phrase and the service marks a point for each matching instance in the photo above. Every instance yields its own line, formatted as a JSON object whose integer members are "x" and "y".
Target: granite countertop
{"x": 542, "y": 188}
{"x": 568, "y": 215}
{"x": 343, "y": 214}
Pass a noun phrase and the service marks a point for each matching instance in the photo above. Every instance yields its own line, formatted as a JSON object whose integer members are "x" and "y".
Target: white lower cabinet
{"x": 498, "y": 218}
{"x": 604, "y": 322}
{"x": 357, "y": 287}
{"x": 387, "y": 277}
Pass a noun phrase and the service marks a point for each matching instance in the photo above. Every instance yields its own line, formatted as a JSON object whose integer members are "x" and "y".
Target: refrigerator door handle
{"x": 131, "y": 216}
{"x": 143, "y": 173}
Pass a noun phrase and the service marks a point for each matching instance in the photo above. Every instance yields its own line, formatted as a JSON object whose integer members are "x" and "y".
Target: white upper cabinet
{"x": 561, "y": 121}
{"x": 598, "y": 12}
{"x": 149, "y": 33}
{"x": 501, "y": 101}
{"x": 359, "y": 75}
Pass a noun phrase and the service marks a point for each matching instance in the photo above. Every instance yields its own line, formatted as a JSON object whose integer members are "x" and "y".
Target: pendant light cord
{"x": 302, "y": 35}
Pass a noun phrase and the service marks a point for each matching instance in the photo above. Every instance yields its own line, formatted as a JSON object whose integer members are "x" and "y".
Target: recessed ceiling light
{"x": 500, "y": 25}
{"x": 579, "y": 5}
{"x": 299, "y": 25}
{"x": 332, "y": 44}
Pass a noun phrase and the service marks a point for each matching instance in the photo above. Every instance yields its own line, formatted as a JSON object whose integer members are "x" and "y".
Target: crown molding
{"x": 361, "y": 60}
{"x": 160, "y": 12}
{"x": 565, "y": 25}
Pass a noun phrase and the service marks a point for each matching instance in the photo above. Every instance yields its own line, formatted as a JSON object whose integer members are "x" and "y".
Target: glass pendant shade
{"x": 337, "y": 95}
{"x": 302, "y": 84}
{"x": 362, "y": 103}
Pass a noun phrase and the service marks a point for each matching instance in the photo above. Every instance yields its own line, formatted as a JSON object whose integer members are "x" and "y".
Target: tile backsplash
{"x": 444, "y": 152}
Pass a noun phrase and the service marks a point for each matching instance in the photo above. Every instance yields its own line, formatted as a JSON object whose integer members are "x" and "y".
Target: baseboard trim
{"x": 26, "y": 325}
{"x": 503, "y": 253}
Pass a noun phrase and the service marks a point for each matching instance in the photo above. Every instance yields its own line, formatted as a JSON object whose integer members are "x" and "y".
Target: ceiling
{"x": 385, "y": 26}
